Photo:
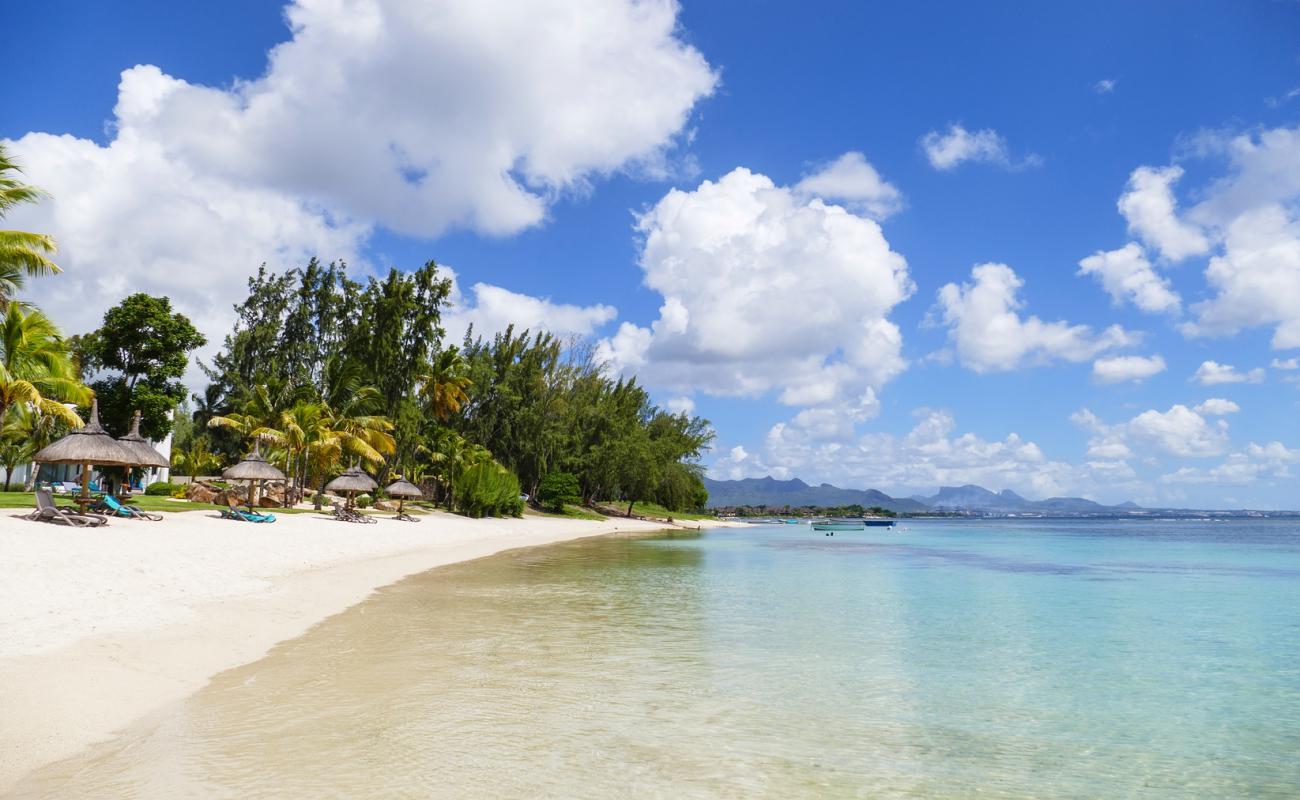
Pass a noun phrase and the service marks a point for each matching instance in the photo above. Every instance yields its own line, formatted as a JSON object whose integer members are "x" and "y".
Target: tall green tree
{"x": 148, "y": 345}
{"x": 22, "y": 254}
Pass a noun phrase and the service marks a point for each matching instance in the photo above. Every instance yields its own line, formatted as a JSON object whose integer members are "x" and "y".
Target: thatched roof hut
{"x": 145, "y": 453}
{"x": 403, "y": 488}
{"x": 352, "y": 480}
{"x": 89, "y": 444}
{"x": 254, "y": 468}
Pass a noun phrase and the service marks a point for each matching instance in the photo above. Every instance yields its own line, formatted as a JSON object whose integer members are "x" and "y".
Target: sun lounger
{"x": 344, "y": 514}
{"x": 47, "y": 511}
{"x": 242, "y": 515}
{"x": 110, "y": 504}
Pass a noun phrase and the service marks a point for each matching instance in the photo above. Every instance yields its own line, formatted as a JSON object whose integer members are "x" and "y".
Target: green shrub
{"x": 160, "y": 489}
{"x": 363, "y": 501}
{"x": 557, "y": 490}
{"x": 488, "y": 490}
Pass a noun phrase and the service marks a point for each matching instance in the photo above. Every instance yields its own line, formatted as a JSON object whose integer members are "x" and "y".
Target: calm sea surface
{"x": 1090, "y": 659}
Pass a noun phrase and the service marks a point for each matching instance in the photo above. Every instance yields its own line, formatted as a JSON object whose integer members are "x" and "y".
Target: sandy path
{"x": 100, "y": 627}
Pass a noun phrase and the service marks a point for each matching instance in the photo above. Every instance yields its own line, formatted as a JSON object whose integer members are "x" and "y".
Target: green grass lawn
{"x": 142, "y": 501}
{"x": 571, "y": 512}
{"x": 647, "y": 509}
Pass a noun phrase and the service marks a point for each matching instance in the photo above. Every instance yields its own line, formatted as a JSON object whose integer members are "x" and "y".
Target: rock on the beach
{"x": 200, "y": 493}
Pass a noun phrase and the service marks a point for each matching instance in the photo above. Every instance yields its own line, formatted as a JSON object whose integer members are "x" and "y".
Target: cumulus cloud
{"x": 1217, "y": 407}
{"x": 1152, "y": 213}
{"x": 1126, "y": 274}
{"x": 949, "y": 150}
{"x": 1212, "y": 373}
{"x": 1246, "y": 220}
{"x": 491, "y": 309}
{"x": 680, "y": 405}
{"x": 990, "y": 336}
{"x": 931, "y": 454}
{"x": 1286, "y": 363}
{"x": 411, "y": 115}
{"x": 764, "y": 289}
{"x": 1126, "y": 368}
{"x": 1179, "y": 431}
{"x": 1257, "y": 278}
{"x": 851, "y": 179}
{"x": 1254, "y": 464}
{"x": 1104, "y": 86}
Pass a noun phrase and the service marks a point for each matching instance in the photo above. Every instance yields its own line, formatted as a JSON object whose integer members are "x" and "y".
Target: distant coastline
{"x": 767, "y": 496}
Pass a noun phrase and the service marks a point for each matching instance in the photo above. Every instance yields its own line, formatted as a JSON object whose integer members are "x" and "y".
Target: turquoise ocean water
{"x": 951, "y": 659}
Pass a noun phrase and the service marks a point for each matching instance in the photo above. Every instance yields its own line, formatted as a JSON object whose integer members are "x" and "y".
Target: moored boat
{"x": 831, "y": 525}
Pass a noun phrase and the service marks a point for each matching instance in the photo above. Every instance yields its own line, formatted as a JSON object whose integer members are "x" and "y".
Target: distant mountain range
{"x": 795, "y": 493}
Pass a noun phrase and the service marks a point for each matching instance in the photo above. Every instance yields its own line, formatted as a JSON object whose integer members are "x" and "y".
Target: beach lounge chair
{"x": 345, "y": 514}
{"x": 48, "y": 511}
{"x": 110, "y": 504}
{"x": 242, "y": 515}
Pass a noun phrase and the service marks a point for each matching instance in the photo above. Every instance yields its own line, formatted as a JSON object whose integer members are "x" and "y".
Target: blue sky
{"x": 773, "y": 216}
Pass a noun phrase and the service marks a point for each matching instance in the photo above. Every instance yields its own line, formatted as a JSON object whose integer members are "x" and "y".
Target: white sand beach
{"x": 100, "y": 627}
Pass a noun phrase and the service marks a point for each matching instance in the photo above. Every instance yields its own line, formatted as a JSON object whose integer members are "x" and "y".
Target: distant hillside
{"x": 976, "y": 498}
{"x": 969, "y": 498}
{"x": 771, "y": 492}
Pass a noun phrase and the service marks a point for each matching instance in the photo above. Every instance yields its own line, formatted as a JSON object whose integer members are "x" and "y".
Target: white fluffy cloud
{"x": 947, "y": 151}
{"x": 851, "y": 179}
{"x": 765, "y": 288}
{"x": 1286, "y": 364}
{"x": 1212, "y": 373}
{"x": 1257, "y": 278}
{"x": 413, "y": 115}
{"x": 1126, "y": 368}
{"x": 1179, "y": 431}
{"x": 1152, "y": 213}
{"x": 1126, "y": 274}
{"x": 1217, "y": 407}
{"x": 930, "y": 455}
{"x": 1254, "y": 464}
{"x": 1246, "y": 220}
{"x": 990, "y": 336}
{"x": 490, "y": 309}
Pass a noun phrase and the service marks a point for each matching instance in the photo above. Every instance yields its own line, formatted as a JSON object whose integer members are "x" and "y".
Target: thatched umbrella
{"x": 402, "y": 489}
{"x": 145, "y": 452}
{"x": 253, "y": 469}
{"x": 88, "y": 445}
{"x": 352, "y": 481}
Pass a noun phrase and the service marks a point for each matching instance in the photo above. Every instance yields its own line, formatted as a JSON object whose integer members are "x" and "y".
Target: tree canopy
{"x": 148, "y": 345}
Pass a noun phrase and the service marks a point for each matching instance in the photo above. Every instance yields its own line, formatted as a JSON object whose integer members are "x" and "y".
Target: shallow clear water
{"x": 952, "y": 659}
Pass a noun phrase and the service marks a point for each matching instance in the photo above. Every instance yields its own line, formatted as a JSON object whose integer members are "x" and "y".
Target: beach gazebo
{"x": 402, "y": 489}
{"x": 254, "y": 469}
{"x": 87, "y": 446}
{"x": 145, "y": 453}
{"x": 352, "y": 482}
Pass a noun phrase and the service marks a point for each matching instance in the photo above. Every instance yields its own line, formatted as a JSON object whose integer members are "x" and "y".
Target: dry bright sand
{"x": 100, "y": 627}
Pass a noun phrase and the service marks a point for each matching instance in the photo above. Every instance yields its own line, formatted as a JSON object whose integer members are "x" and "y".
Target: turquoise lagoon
{"x": 949, "y": 659}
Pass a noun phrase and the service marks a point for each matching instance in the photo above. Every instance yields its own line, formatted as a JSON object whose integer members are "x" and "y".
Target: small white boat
{"x": 832, "y": 525}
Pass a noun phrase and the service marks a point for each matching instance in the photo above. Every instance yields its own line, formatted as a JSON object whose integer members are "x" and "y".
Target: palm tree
{"x": 261, "y": 409}
{"x": 446, "y": 385}
{"x": 195, "y": 460}
{"x": 452, "y": 454}
{"x": 22, "y": 254}
{"x": 38, "y": 429}
{"x": 15, "y": 449}
{"x": 36, "y": 366}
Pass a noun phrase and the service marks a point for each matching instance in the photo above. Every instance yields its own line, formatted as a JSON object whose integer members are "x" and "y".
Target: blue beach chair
{"x": 110, "y": 504}
{"x": 242, "y": 515}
